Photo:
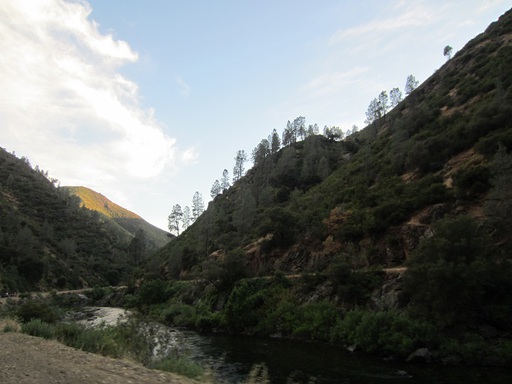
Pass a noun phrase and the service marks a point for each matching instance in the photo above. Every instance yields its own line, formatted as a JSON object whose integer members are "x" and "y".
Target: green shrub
{"x": 98, "y": 293}
{"x": 316, "y": 321}
{"x": 180, "y": 315}
{"x": 455, "y": 277}
{"x": 472, "y": 181}
{"x": 210, "y": 321}
{"x": 382, "y": 332}
{"x": 152, "y": 292}
{"x": 245, "y": 304}
{"x": 180, "y": 365}
{"x": 32, "y": 310}
{"x": 281, "y": 314}
{"x": 96, "y": 340}
{"x": 38, "y": 328}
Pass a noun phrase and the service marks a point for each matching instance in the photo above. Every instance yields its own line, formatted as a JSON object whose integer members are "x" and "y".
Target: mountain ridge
{"x": 120, "y": 217}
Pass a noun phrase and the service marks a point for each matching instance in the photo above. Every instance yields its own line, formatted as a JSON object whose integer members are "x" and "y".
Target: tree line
{"x": 381, "y": 104}
{"x": 297, "y": 130}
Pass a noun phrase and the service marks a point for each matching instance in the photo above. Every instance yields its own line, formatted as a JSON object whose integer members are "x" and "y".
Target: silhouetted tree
{"x": 197, "y": 206}
{"x": 275, "y": 142}
{"x": 216, "y": 189}
{"x": 447, "y": 52}
{"x": 333, "y": 133}
{"x": 186, "y": 218}
{"x": 174, "y": 219}
{"x": 395, "y": 96}
{"x": 239, "y": 168}
{"x": 410, "y": 84}
{"x": 261, "y": 151}
{"x": 224, "y": 182}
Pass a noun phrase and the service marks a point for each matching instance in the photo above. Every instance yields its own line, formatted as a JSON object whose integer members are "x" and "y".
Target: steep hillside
{"x": 395, "y": 238}
{"x": 124, "y": 222}
{"x": 47, "y": 240}
{"x": 374, "y": 195}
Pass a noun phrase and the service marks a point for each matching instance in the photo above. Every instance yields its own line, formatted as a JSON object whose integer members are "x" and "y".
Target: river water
{"x": 232, "y": 357}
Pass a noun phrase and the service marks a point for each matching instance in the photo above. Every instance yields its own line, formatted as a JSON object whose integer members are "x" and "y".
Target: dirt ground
{"x": 31, "y": 360}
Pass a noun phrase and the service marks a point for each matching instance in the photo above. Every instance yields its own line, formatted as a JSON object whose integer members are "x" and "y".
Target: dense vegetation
{"x": 47, "y": 240}
{"x": 124, "y": 223}
{"x": 302, "y": 245}
{"x": 426, "y": 186}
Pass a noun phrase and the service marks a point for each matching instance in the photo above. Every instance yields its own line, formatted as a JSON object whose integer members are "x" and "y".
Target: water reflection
{"x": 232, "y": 357}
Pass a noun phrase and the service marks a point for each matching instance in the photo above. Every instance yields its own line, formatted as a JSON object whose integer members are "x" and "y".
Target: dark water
{"x": 232, "y": 357}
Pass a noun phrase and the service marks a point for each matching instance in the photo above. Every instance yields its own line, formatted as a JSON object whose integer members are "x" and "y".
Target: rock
{"x": 451, "y": 360}
{"x": 421, "y": 355}
{"x": 488, "y": 331}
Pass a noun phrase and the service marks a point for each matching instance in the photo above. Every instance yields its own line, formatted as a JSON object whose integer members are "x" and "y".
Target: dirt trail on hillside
{"x": 31, "y": 360}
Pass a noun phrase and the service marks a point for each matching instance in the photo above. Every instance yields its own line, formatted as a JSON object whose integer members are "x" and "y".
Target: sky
{"x": 147, "y": 102}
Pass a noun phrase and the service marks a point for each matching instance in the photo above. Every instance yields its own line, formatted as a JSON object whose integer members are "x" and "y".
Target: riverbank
{"x": 26, "y": 359}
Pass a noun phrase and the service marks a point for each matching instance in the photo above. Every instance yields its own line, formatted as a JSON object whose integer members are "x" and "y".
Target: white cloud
{"x": 329, "y": 83}
{"x": 184, "y": 87}
{"x": 409, "y": 16}
{"x": 64, "y": 103}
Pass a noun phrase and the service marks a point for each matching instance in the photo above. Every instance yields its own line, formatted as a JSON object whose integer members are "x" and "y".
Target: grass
{"x": 9, "y": 325}
{"x": 180, "y": 365}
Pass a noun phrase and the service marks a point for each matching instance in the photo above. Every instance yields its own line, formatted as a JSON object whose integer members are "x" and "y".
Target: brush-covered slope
{"x": 304, "y": 245}
{"x": 372, "y": 197}
{"x": 47, "y": 240}
{"x": 121, "y": 220}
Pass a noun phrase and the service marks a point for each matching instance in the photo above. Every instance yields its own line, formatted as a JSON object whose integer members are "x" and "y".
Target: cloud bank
{"x": 64, "y": 104}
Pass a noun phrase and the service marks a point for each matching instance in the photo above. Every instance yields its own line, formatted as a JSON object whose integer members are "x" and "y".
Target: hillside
{"x": 429, "y": 157}
{"x": 47, "y": 240}
{"x": 122, "y": 221}
{"x": 427, "y": 186}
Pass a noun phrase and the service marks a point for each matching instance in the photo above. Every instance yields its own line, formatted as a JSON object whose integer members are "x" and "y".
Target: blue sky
{"x": 148, "y": 101}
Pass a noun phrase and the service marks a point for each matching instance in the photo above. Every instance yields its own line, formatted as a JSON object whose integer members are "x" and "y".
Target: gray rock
{"x": 421, "y": 355}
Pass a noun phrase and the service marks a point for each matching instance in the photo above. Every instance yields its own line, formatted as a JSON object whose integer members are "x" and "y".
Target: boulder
{"x": 421, "y": 355}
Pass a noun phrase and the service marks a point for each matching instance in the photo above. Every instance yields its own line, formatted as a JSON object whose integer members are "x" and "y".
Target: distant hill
{"x": 123, "y": 221}
{"x": 47, "y": 240}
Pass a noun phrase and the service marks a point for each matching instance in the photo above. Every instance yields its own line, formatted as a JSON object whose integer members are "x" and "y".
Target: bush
{"x": 95, "y": 340}
{"x": 180, "y": 315}
{"x": 9, "y": 325}
{"x": 456, "y": 277}
{"x": 382, "y": 332}
{"x": 210, "y": 321}
{"x": 472, "y": 181}
{"x": 316, "y": 321}
{"x": 38, "y": 328}
{"x": 245, "y": 304}
{"x": 180, "y": 365}
{"x": 152, "y": 292}
{"x": 32, "y": 310}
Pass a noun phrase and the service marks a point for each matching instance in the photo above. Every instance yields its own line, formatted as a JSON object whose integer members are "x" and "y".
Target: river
{"x": 232, "y": 357}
